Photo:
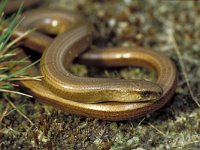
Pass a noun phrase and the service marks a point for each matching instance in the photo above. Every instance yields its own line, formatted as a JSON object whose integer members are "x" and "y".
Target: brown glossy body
{"x": 166, "y": 70}
{"x": 13, "y": 5}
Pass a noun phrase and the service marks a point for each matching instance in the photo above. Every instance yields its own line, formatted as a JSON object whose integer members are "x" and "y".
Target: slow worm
{"x": 13, "y": 5}
{"x": 76, "y": 94}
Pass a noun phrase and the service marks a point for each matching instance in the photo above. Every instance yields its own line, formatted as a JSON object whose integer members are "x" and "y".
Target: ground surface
{"x": 120, "y": 23}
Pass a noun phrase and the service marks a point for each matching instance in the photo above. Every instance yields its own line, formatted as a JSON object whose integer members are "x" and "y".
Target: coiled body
{"x": 73, "y": 94}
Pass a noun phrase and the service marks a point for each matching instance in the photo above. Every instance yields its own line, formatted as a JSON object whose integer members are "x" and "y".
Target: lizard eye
{"x": 146, "y": 94}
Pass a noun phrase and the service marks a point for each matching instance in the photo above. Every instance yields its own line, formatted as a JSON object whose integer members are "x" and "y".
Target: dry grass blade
{"x": 9, "y": 45}
{"x": 186, "y": 144}
{"x": 23, "y": 78}
{"x": 4, "y": 113}
{"x": 158, "y": 130}
{"x": 21, "y": 113}
{"x": 8, "y": 26}
{"x": 173, "y": 41}
{"x": 15, "y": 92}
